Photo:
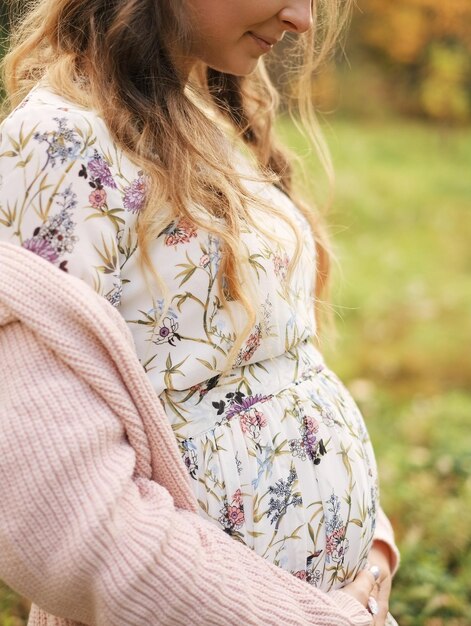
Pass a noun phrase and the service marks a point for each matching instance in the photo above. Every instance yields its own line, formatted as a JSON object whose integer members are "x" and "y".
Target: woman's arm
{"x": 385, "y": 555}
{"x": 85, "y": 540}
{"x": 79, "y": 534}
{"x": 384, "y": 541}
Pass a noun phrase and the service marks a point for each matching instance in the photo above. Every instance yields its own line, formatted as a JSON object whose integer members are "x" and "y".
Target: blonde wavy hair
{"x": 113, "y": 56}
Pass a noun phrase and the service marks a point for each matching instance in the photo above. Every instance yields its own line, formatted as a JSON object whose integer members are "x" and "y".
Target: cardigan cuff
{"x": 357, "y": 613}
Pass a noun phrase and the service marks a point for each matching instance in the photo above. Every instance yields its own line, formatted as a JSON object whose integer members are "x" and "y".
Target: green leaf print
{"x": 109, "y": 257}
{"x": 254, "y": 533}
{"x": 188, "y": 271}
{"x": 256, "y": 265}
{"x": 23, "y": 164}
{"x": 111, "y": 214}
{"x": 9, "y": 216}
{"x": 14, "y": 143}
{"x": 211, "y": 366}
{"x": 358, "y": 522}
{"x": 171, "y": 370}
{"x": 24, "y": 141}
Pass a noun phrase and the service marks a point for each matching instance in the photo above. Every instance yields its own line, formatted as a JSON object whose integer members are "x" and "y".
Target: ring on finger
{"x": 376, "y": 571}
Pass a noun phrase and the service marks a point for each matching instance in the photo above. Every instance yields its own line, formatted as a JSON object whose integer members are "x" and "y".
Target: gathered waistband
{"x": 208, "y": 404}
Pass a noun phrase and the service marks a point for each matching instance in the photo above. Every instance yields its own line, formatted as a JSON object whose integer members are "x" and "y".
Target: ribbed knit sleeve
{"x": 86, "y": 540}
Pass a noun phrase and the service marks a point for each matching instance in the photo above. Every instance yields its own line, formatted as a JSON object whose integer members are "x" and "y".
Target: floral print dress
{"x": 277, "y": 451}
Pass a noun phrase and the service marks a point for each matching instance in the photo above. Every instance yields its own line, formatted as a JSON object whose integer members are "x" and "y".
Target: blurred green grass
{"x": 402, "y": 230}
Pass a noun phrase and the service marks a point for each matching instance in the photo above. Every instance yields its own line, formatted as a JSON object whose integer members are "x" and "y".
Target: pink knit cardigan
{"x": 98, "y": 524}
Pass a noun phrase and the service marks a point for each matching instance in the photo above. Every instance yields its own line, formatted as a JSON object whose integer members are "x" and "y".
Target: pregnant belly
{"x": 290, "y": 473}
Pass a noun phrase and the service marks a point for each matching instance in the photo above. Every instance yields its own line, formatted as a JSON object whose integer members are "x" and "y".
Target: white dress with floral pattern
{"x": 277, "y": 451}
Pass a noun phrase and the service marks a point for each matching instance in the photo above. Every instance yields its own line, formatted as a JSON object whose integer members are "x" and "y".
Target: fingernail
{"x": 376, "y": 571}
{"x": 373, "y": 607}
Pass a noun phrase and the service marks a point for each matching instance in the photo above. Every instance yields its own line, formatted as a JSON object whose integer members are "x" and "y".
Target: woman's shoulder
{"x": 57, "y": 142}
{"x": 66, "y": 191}
{"x": 43, "y": 106}
{"x": 48, "y": 128}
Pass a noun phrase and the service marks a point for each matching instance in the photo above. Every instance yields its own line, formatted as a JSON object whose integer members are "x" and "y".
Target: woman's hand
{"x": 363, "y": 588}
{"x": 367, "y": 586}
{"x": 380, "y": 556}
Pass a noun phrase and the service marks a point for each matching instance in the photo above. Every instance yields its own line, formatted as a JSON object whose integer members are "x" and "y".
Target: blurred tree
{"x": 3, "y": 35}
{"x": 3, "y": 22}
{"x": 427, "y": 43}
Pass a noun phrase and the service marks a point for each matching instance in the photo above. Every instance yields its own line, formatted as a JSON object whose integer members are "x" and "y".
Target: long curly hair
{"x": 113, "y": 56}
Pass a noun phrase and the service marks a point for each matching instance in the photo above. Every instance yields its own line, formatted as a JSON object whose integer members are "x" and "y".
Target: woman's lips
{"x": 265, "y": 44}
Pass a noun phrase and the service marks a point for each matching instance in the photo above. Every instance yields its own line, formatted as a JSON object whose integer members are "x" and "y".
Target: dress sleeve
{"x": 58, "y": 195}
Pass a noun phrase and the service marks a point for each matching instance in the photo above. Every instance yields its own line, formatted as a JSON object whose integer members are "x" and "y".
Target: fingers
{"x": 372, "y": 603}
{"x": 384, "y": 591}
{"x": 373, "y": 607}
{"x": 378, "y": 600}
{"x": 365, "y": 588}
{"x": 365, "y": 583}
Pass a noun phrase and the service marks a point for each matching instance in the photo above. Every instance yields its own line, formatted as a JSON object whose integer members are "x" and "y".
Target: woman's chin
{"x": 237, "y": 68}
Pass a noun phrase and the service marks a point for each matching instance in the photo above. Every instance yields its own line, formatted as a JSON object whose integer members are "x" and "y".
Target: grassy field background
{"x": 402, "y": 231}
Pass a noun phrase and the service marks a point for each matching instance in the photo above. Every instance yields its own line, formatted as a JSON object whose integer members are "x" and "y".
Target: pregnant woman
{"x": 139, "y": 171}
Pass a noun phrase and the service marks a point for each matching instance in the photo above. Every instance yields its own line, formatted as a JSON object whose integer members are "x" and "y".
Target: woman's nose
{"x": 297, "y": 16}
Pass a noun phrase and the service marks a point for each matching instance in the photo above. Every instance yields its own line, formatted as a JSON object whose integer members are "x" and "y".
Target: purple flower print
{"x": 42, "y": 248}
{"x": 234, "y": 404}
{"x": 244, "y": 404}
{"x": 167, "y": 332}
{"x": 98, "y": 169}
{"x": 309, "y": 446}
{"x": 252, "y": 420}
{"x": 135, "y": 195}
{"x": 55, "y": 237}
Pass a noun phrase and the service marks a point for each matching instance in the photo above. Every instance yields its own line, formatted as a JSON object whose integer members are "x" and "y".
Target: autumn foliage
{"x": 424, "y": 46}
